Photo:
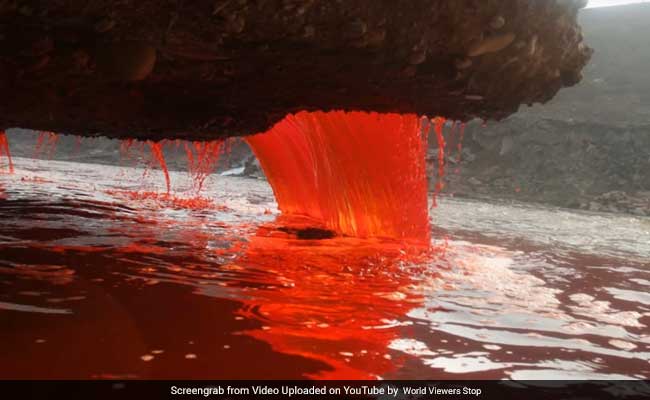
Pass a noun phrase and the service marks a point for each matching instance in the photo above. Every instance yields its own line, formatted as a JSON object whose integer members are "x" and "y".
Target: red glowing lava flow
{"x": 42, "y": 146}
{"x": 157, "y": 152}
{"x": 202, "y": 159}
{"x": 4, "y": 148}
{"x": 460, "y": 140}
{"x": 361, "y": 174}
{"x": 438, "y": 126}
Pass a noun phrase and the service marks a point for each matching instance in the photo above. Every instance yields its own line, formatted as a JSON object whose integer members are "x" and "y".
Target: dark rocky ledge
{"x": 204, "y": 69}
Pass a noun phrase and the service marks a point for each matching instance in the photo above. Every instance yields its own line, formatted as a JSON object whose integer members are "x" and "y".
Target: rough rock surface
{"x": 589, "y": 147}
{"x": 203, "y": 69}
{"x": 593, "y": 167}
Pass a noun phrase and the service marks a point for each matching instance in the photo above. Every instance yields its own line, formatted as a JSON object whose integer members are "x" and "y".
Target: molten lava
{"x": 360, "y": 174}
{"x": 4, "y": 149}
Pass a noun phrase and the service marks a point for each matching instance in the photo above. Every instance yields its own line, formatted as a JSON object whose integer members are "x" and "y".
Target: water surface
{"x": 103, "y": 276}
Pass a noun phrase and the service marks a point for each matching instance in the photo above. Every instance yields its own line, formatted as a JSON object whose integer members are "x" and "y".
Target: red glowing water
{"x": 167, "y": 200}
{"x": 202, "y": 159}
{"x": 438, "y": 126}
{"x": 309, "y": 318}
{"x": 45, "y": 147}
{"x": 360, "y": 174}
{"x": 157, "y": 152}
{"x": 4, "y": 149}
{"x": 460, "y": 141}
{"x": 125, "y": 146}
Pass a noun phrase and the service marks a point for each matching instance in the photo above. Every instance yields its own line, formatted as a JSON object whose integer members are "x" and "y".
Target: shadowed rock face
{"x": 203, "y": 69}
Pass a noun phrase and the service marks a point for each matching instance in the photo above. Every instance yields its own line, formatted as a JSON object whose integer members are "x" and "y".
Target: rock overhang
{"x": 206, "y": 70}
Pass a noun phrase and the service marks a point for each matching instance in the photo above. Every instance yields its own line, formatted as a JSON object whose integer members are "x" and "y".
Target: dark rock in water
{"x": 252, "y": 167}
{"x": 193, "y": 70}
{"x": 309, "y": 233}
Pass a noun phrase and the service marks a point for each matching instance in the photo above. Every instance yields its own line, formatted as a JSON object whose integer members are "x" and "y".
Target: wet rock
{"x": 383, "y": 52}
{"x": 80, "y": 59}
{"x": 356, "y": 28}
{"x": 236, "y": 25}
{"x": 126, "y": 61}
{"x": 38, "y": 64}
{"x": 104, "y": 25}
{"x": 26, "y": 10}
{"x": 507, "y": 143}
{"x": 375, "y": 38}
{"x": 252, "y": 168}
{"x": 593, "y": 206}
{"x": 497, "y": 22}
{"x": 463, "y": 63}
{"x": 532, "y": 45}
{"x": 308, "y": 31}
{"x": 491, "y": 44}
{"x": 418, "y": 57}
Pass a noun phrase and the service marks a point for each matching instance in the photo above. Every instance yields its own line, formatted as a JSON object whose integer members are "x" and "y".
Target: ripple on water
{"x": 508, "y": 291}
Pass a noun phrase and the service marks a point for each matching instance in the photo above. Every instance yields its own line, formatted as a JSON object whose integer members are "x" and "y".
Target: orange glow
{"x": 157, "y": 152}
{"x": 4, "y": 148}
{"x": 361, "y": 174}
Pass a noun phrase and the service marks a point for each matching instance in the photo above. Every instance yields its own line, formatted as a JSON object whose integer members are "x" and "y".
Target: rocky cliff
{"x": 587, "y": 148}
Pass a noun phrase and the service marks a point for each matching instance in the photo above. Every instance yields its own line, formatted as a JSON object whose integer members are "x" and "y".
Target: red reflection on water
{"x": 4, "y": 149}
{"x": 362, "y": 174}
{"x": 339, "y": 301}
{"x": 167, "y": 200}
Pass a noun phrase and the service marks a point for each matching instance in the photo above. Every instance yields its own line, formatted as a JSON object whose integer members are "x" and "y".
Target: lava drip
{"x": 202, "y": 159}
{"x": 4, "y": 148}
{"x": 125, "y": 146}
{"x": 461, "y": 136}
{"x": 438, "y": 126}
{"x": 157, "y": 152}
{"x": 43, "y": 147}
{"x": 360, "y": 174}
